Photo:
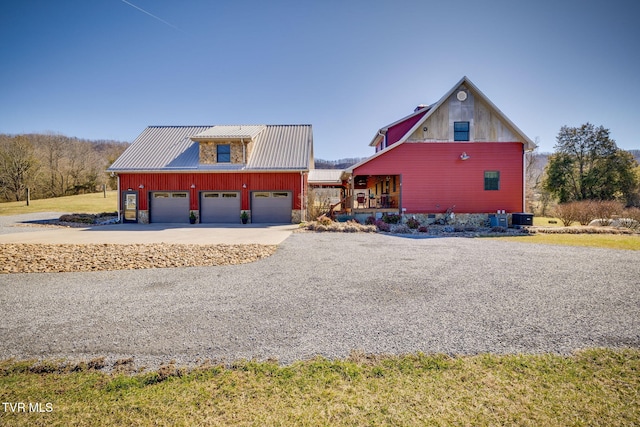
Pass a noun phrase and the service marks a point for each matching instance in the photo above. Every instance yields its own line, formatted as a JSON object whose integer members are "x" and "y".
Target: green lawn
{"x": 594, "y": 387}
{"x": 84, "y": 203}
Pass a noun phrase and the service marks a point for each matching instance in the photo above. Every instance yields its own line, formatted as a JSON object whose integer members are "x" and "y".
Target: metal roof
{"x": 325, "y": 176}
{"x": 231, "y": 132}
{"x": 173, "y": 149}
{"x": 283, "y": 147}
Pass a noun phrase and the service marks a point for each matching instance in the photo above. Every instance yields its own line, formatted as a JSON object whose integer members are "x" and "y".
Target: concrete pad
{"x": 200, "y": 234}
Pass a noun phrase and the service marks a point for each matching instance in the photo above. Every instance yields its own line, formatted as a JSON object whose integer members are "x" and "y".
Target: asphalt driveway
{"x": 329, "y": 294}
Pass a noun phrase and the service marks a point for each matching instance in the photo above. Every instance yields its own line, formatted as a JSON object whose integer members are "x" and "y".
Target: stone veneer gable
{"x": 208, "y": 151}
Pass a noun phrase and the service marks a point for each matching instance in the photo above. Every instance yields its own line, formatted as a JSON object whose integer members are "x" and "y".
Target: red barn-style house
{"x": 215, "y": 174}
{"x": 461, "y": 154}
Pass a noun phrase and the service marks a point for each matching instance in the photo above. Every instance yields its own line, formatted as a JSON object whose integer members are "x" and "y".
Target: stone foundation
{"x": 465, "y": 220}
{"x": 296, "y": 216}
{"x": 143, "y": 217}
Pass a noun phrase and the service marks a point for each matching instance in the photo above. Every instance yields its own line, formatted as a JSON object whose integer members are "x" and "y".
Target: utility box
{"x": 498, "y": 220}
{"x": 522, "y": 218}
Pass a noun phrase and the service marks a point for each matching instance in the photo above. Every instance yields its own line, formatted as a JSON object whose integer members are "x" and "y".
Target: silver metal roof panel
{"x": 171, "y": 148}
{"x": 321, "y": 176}
{"x": 231, "y": 132}
{"x": 160, "y": 147}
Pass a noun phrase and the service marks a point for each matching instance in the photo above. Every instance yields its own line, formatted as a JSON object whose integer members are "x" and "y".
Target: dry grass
{"x": 547, "y": 221}
{"x": 84, "y": 203}
{"x": 608, "y": 241}
{"x": 593, "y": 387}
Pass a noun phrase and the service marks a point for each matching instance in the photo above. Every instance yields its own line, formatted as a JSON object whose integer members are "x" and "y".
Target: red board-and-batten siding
{"x": 434, "y": 178}
{"x": 394, "y": 133}
{"x": 275, "y": 181}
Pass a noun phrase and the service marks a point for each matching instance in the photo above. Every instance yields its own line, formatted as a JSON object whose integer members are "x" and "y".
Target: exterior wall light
{"x": 193, "y": 186}
{"x": 464, "y": 156}
{"x": 141, "y": 186}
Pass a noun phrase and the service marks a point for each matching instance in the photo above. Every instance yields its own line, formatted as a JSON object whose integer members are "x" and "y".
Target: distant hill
{"x": 337, "y": 164}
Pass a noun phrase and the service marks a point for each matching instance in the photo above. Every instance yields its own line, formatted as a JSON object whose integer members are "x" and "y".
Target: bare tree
{"x": 18, "y": 166}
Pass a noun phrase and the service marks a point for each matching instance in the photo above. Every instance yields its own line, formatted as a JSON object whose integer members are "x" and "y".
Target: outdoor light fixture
{"x": 140, "y": 186}
{"x": 244, "y": 185}
{"x": 193, "y": 186}
{"x": 464, "y": 156}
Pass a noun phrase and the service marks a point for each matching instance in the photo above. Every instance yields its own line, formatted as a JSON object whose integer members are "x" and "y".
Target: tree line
{"x": 54, "y": 165}
{"x": 586, "y": 165}
{"x": 337, "y": 164}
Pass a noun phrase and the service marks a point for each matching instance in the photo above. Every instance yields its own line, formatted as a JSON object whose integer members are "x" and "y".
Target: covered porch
{"x": 373, "y": 194}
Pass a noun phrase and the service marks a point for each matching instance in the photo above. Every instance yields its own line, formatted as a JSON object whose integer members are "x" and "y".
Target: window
{"x": 461, "y": 131}
{"x": 224, "y": 153}
{"x": 492, "y": 180}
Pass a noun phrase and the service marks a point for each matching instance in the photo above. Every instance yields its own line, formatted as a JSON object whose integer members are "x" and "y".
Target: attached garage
{"x": 169, "y": 207}
{"x": 271, "y": 206}
{"x": 216, "y": 173}
{"x": 219, "y": 207}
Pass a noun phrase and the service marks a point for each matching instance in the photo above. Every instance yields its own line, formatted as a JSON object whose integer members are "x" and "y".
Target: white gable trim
{"x": 528, "y": 143}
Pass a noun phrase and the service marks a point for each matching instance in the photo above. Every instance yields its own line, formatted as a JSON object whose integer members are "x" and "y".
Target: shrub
{"x": 631, "y": 218}
{"x": 320, "y": 228}
{"x": 324, "y": 220}
{"x": 605, "y": 210}
{"x": 413, "y": 223}
{"x": 567, "y": 213}
{"x": 586, "y": 211}
{"x": 391, "y": 218}
{"x": 382, "y": 226}
{"x": 401, "y": 229}
{"x": 423, "y": 229}
{"x": 79, "y": 218}
{"x": 371, "y": 220}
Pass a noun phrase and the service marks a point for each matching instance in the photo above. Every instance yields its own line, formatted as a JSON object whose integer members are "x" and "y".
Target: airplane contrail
{"x": 151, "y": 15}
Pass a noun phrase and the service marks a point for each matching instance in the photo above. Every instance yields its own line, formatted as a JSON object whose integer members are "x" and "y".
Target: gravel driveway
{"x": 329, "y": 294}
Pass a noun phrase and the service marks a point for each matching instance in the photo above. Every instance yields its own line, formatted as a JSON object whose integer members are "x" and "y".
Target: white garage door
{"x": 169, "y": 207}
{"x": 220, "y": 206}
{"x": 271, "y": 206}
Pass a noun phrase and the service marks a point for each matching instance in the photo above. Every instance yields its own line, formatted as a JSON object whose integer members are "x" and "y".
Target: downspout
{"x": 524, "y": 179}
{"x": 119, "y": 197}
{"x": 244, "y": 151}
{"x": 302, "y": 210}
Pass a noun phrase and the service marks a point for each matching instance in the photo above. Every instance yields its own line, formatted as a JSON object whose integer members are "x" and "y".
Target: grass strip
{"x": 607, "y": 241}
{"x": 592, "y": 387}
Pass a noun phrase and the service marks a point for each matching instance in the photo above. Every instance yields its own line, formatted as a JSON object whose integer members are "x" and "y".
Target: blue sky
{"x": 106, "y": 69}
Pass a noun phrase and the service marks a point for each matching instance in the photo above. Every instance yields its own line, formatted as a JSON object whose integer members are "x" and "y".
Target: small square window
{"x": 492, "y": 180}
{"x": 224, "y": 153}
{"x": 461, "y": 131}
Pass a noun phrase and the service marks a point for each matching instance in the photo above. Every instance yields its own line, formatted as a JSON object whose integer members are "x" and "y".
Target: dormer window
{"x": 223, "y": 153}
{"x": 461, "y": 131}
